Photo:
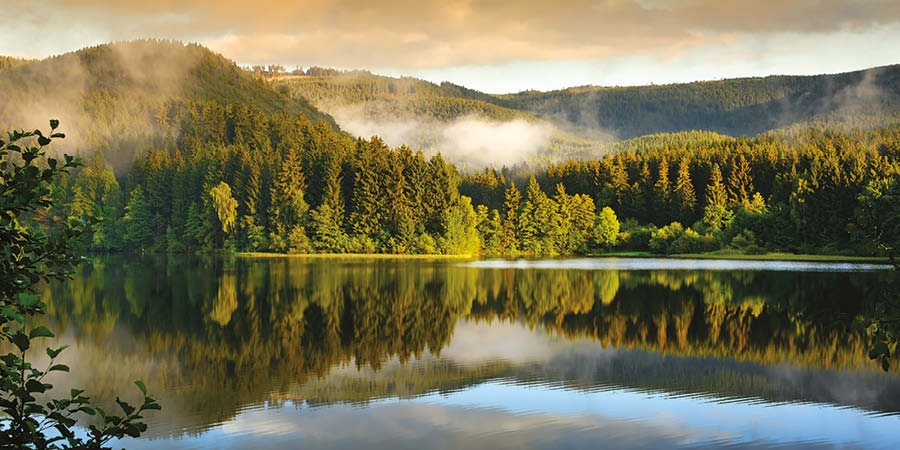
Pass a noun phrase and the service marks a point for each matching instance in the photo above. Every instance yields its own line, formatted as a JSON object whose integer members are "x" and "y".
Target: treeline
{"x": 7, "y": 62}
{"x": 385, "y": 97}
{"x": 697, "y": 192}
{"x": 238, "y": 179}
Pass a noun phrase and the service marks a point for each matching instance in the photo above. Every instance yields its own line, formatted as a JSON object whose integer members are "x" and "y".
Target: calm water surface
{"x": 417, "y": 354}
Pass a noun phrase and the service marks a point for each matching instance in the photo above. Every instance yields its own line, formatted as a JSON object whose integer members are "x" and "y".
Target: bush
{"x": 674, "y": 239}
{"x": 361, "y": 244}
{"x": 606, "y": 229}
{"x": 635, "y": 237}
{"x": 426, "y": 245}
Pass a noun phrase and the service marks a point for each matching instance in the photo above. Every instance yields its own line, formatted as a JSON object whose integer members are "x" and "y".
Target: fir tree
{"x": 685, "y": 198}
{"x": 716, "y": 215}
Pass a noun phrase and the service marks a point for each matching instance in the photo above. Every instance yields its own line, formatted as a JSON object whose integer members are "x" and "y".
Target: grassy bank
{"x": 350, "y": 256}
{"x": 712, "y": 255}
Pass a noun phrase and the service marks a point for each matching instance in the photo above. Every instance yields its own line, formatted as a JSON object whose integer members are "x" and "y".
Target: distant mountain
{"x": 736, "y": 107}
{"x": 109, "y": 97}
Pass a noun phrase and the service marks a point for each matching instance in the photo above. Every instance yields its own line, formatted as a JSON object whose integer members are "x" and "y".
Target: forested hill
{"x": 433, "y": 116}
{"x": 737, "y": 107}
{"x": 384, "y": 97}
{"x": 111, "y": 97}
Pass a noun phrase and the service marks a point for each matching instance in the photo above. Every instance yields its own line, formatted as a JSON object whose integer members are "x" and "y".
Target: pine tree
{"x": 328, "y": 235}
{"x": 288, "y": 208}
{"x": 510, "y": 242}
{"x": 533, "y": 219}
{"x": 740, "y": 182}
{"x": 619, "y": 181}
{"x": 562, "y": 230}
{"x": 662, "y": 192}
{"x": 716, "y": 215}
{"x": 138, "y": 220}
{"x": 364, "y": 218}
{"x": 685, "y": 198}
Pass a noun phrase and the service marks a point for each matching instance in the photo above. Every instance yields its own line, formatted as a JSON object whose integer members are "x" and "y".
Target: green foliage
{"x": 606, "y": 230}
{"x": 716, "y": 215}
{"x": 225, "y": 206}
{"x": 138, "y": 220}
{"x": 27, "y": 256}
{"x": 674, "y": 239}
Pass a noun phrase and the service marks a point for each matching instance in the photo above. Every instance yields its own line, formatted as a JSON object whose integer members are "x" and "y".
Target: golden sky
{"x": 489, "y": 44}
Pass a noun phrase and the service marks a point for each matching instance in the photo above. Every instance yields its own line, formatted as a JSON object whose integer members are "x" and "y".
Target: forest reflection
{"x": 223, "y": 333}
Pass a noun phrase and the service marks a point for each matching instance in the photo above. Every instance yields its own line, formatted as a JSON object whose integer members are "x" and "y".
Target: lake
{"x": 288, "y": 352}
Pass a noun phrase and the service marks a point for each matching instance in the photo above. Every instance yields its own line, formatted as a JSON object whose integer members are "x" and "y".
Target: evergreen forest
{"x": 185, "y": 151}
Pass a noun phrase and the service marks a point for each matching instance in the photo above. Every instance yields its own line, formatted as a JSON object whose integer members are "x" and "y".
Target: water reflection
{"x": 264, "y": 344}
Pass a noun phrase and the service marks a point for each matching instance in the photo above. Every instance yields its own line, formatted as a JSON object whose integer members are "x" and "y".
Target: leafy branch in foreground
{"x": 27, "y": 256}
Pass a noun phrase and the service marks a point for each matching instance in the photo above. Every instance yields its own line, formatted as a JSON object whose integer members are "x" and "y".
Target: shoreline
{"x": 707, "y": 256}
{"x": 775, "y": 256}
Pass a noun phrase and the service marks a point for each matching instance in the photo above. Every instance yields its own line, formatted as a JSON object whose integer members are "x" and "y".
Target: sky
{"x": 490, "y": 45}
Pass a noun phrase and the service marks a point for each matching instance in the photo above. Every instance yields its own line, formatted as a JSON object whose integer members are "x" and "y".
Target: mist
{"x": 469, "y": 140}
{"x": 105, "y": 97}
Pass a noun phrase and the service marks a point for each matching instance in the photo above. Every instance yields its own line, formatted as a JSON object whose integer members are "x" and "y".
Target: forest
{"x": 229, "y": 159}
{"x": 238, "y": 179}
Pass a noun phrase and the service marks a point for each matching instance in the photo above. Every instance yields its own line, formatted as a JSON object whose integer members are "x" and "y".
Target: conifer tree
{"x": 663, "y": 193}
{"x": 510, "y": 242}
{"x": 138, "y": 220}
{"x": 716, "y": 215}
{"x": 364, "y": 218}
{"x": 740, "y": 181}
{"x": 533, "y": 220}
{"x": 619, "y": 181}
{"x": 685, "y": 198}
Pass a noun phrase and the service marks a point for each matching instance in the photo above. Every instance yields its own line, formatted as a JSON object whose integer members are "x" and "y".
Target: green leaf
{"x": 9, "y": 312}
{"x": 54, "y": 353}
{"x": 43, "y": 140}
{"x": 33, "y": 385}
{"x": 40, "y": 331}
{"x": 128, "y": 409}
{"x": 21, "y": 341}
{"x": 54, "y": 124}
{"x": 87, "y": 410}
{"x": 141, "y": 386}
{"x": 59, "y": 367}
{"x": 76, "y": 392}
{"x": 27, "y": 300}
{"x": 153, "y": 406}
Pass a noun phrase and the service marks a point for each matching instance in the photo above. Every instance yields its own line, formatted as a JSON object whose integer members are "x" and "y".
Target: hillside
{"x": 737, "y": 107}
{"x": 429, "y": 116}
{"x": 109, "y": 97}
